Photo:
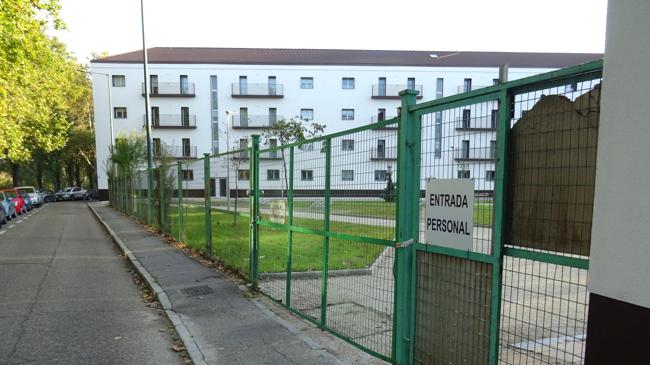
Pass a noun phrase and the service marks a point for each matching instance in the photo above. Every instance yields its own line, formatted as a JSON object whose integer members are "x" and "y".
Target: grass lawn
{"x": 230, "y": 242}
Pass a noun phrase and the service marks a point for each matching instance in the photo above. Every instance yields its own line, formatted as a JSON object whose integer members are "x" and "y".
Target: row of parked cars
{"x": 22, "y": 199}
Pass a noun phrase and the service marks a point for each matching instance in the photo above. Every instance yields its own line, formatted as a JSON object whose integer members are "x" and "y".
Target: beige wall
{"x": 620, "y": 250}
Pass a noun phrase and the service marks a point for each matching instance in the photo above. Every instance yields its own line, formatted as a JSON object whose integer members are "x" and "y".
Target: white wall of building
{"x": 327, "y": 98}
{"x": 620, "y": 245}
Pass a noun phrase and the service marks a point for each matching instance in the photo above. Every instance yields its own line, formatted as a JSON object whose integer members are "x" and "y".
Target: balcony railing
{"x": 392, "y": 91}
{"x": 243, "y": 121}
{"x": 385, "y": 153}
{"x": 172, "y": 121}
{"x": 476, "y": 154}
{"x": 377, "y": 119}
{"x": 273, "y": 155}
{"x": 483, "y": 123}
{"x": 181, "y": 152}
{"x": 241, "y": 90}
{"x": 461, "y": 88}
{"x": 184, "y": 89}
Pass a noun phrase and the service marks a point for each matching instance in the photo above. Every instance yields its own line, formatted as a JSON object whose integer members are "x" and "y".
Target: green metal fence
{"x": 332, "y": 228}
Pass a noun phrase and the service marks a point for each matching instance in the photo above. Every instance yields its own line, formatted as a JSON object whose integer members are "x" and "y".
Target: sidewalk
{"x": 218, "y": 322}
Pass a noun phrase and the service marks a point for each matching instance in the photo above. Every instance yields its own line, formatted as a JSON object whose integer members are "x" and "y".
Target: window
{"x": 465, "y": 148}
{"x": 185, "y": 116}
{"x": 273, "y": 86}
{"x": 410, "y": 83}
{"x": 214, "y": 114}
{"x": 348, "y": 83}
{"x": 272, "y": 175}
{"x": 119, "y": 112}
{"x": 307, "y": 114}
{"x": 155, "y": 115}
{"x": 153, "y": 84}
{"x": 381, "y": 87}
{"x": 493, "y": 149}
{"x": 306, "y": 82}
{"x": 495, "y": 81}
{"x": 119, "y": 81}
{"x": 157, "y": 148}
{"x": 186, "y": 147}
{"x": 494, "y": 118}
{"x": 440, "y": 84}
{"x": 381, "y": 115}
{"x": 306, "y": 147}
{"x": 489, "y": 175}
{"x": 273, "y": 116}
{"x": 243, "y": 175}
{"x": 463, "y": 174}
{"x": 188, "y": 175}
{"x": 185, "y": 85}
{"x": 307, "y": 175}
{"x": 380, "y": 175}
{"x": 467, "y": 85}
{"x": 467, "y": 116}
{"x": 347, "y": 145}
{"x": 437, "y": 149}
{"x": 243, "y": 85}
{"x": 347, "y": 175}
{"x": 571, "y": 88}
{"x": 347, "y": 114}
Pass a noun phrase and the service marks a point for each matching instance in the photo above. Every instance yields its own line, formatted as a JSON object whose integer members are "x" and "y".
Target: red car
{"x": 17, "y": 199}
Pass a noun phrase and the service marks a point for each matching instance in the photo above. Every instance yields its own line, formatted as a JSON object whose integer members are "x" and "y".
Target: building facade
{"x": 210, "y": 100}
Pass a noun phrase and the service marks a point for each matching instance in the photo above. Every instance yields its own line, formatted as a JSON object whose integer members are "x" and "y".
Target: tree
{"x": 127, "y": 156}
{"x": 389, "y": 192}
{"x": 291, "y": 131}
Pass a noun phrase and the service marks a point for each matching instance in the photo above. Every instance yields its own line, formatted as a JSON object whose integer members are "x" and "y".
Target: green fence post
{"x": 290, "y": 223}
{"x": 161, "y": 197}
{"x": 149, "y": 196}
{"x": 179, "y": 192}
{"x": 407, "y": 226}
{"x": 254, "y": 181}
{"x": 208, "y": 205}
{"x": 326, "y": 228}
{"x": 500, "y": 201}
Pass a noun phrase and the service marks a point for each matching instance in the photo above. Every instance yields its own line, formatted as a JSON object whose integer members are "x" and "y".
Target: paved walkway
{"x": 67, "y": 297}
{"x": 225, "y": 326}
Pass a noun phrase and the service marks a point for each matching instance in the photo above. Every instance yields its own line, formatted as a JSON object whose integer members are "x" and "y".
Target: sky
{"x": 114, "y": 26}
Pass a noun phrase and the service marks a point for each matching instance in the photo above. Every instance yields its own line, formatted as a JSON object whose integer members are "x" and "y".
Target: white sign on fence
{"x": 449, "y": 213}
{"x": 278, "y": 211}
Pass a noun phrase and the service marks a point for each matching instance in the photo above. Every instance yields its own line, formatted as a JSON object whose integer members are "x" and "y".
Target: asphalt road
{"x": 66, "y": 296}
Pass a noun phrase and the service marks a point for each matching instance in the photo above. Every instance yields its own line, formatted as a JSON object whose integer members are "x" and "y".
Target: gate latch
{"x": 406, "y": 243}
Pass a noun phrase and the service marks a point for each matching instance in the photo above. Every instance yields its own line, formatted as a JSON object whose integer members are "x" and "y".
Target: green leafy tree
{"x": 389, "y": 192}
{"x": 291, "y": 131}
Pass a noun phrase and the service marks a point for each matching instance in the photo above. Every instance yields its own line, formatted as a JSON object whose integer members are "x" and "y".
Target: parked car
{"x": 78, "y": 193}
{"x": 47, "y": 195}
{"x": 8, "y": 205}
{"x": 17, "y": 199}
{"x": 28, "y": 201}
{"x": 3, "y": 217}
{"x": 34, "y": 197}
{"x": 63, "y": 194}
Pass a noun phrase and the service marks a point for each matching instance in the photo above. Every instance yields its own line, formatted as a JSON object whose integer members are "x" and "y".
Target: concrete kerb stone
{"x": 191, "y": 347}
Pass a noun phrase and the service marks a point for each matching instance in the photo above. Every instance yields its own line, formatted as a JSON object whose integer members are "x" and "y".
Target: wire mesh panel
{"x": 460, "y": 143}
{"x": 273, "y": 241}
{"x": 193, "y": 204}
{"x": 229, "y": 185}
{"x": 550, "y": 205}
{"x": 453, "y": 304}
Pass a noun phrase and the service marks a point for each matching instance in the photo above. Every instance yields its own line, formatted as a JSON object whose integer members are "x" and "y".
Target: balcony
{"x": 178, "y": 152}
{"x": 476, "y": 154}
{"x": 477, "y": 124}
{"x": 392, "y": 91}
{"x": 461, "y": 88}
{"x": 383, "y": 153}
{"x": 376, "y": 119}
{"x": 171, "y": 89}
{"x": 243, "y": 121}
{"x": 172, "y": 121}
{"x": 257, "y": 90}
{"x": 273, "y": 155}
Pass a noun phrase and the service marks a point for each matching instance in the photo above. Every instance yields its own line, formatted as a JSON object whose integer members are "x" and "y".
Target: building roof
{"x": 335, "y": 57}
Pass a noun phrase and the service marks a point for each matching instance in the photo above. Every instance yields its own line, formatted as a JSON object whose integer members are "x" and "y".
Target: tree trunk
{"x": 57, "y": 174}
{"x": 77, "y": 174}
{"x": 69, "y": 173}
{"x": 14, "y": 174}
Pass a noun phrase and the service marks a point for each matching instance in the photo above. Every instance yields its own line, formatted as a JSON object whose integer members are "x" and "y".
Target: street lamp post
{"x": 147, "y": 121}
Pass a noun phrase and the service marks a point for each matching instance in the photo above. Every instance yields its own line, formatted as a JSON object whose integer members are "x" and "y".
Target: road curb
{"x": 188, "y": 341}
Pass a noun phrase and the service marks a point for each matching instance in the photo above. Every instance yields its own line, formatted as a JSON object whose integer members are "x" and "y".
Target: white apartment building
{"x": 210, "y": 100}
